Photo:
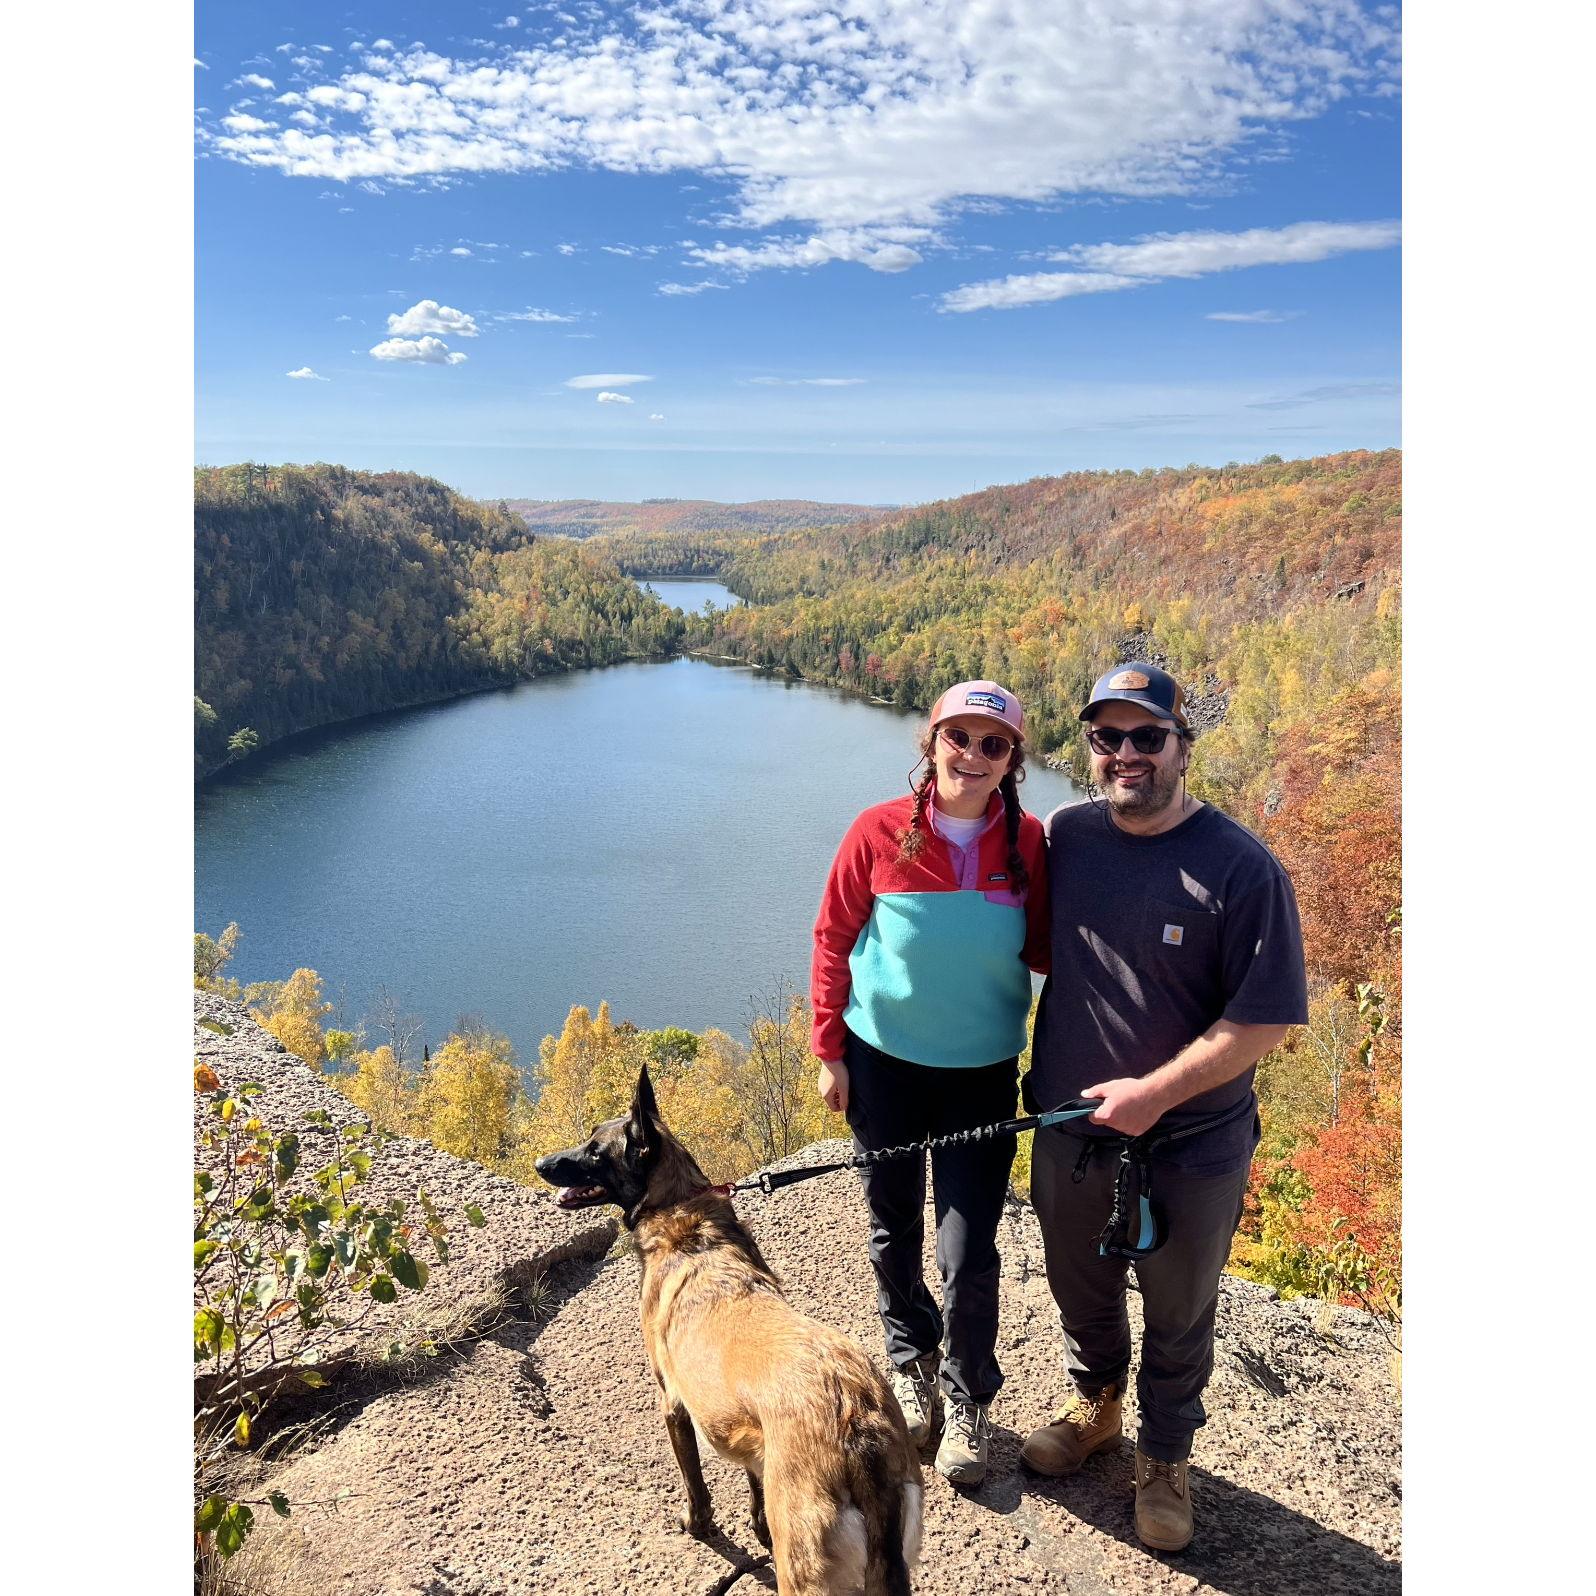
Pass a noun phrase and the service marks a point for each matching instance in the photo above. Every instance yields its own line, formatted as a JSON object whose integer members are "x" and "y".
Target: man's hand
{"x": 833, "y": 1085}
{"x": 1130, "y": 1106}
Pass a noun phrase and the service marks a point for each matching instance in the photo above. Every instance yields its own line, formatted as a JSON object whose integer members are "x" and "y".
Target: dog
{"x": 834, "y": 1482}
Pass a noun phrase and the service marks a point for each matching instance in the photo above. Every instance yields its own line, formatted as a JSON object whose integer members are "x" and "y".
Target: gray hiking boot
{"x": 914, "y": 1384}
{"x": 961, "y": 1458}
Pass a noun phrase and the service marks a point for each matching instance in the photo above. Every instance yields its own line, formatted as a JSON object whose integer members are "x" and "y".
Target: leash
{"x": 769, "y": 1181}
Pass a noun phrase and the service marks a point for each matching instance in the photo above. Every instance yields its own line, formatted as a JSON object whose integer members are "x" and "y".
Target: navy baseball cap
{"x": 1139, "y": 683}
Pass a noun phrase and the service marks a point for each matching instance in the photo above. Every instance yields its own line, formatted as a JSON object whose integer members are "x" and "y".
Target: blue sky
{"x": 885, "y": 251}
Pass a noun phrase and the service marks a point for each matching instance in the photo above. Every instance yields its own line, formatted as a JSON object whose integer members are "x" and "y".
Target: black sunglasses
{"x": 992, "y": 746}
{"x": 1144, "y": 739}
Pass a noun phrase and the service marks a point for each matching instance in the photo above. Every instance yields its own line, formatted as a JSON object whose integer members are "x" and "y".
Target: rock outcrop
{"x": 529, "y": 1455}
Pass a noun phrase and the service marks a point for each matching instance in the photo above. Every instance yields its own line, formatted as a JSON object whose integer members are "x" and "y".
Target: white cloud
{"x": 1033, "y": 288}
{"x": 881, "y": 249}
{"x": 246, "y": 124}
{"x": 534, "y": 315}
{"x": 608, "y": 398}
{"x": 343, "y": 318}
{"x": 1261, "y": 318}
{"x": 509, "y": 22}
{"x": 306, "y": 375}
{"x": 1160, "y": 255}
{"x": 200, "y": 64}
{"x": 254, "y": 80}
{"x": 459, "y": 250}
{"x": 424, "y": 351}
{"x": 880, "y": 114}
{"x": 606, "y": 379}
{"x": 568, "y": 249}
{"x": 686, "y": 288}
{"x": 1197, "y": 254}
{"x": 809, "y": 382}
{"x": 1340, "y": 390}
{"x": 429, "y": 316}
{"x": 656, "y": 417}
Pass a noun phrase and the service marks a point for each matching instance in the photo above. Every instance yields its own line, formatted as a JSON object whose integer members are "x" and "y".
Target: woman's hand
{"x": 834, "y": 1085}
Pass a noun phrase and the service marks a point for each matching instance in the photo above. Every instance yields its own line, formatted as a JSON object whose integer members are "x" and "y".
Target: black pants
{"x": 1179, "y": 1283}
{"x": 890, "y": 1103}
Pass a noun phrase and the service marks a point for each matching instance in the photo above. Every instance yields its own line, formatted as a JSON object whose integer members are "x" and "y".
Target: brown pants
{"x": 1179, "y": 1283}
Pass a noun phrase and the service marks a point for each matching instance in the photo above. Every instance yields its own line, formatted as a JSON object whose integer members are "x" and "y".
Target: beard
{"x": 1147, "y": 797}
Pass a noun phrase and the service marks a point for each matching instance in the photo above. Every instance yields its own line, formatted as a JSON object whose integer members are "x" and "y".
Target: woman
{"x": 935, "y": 907}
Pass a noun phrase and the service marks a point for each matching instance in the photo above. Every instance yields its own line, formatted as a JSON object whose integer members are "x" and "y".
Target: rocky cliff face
{"x": 528, "y": 1455}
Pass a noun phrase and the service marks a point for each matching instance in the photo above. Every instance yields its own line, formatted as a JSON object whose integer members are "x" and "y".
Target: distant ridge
{"x": 585, "y": 518}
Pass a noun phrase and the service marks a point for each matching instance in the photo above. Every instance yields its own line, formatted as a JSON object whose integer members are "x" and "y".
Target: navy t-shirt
{"x": 1154, "y": 939}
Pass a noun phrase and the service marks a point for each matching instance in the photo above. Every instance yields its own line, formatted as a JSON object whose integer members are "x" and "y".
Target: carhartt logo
{"x": 1173, "y": 934}
{"x": 1129, "y": 679}
{"x": 986, "y": 701}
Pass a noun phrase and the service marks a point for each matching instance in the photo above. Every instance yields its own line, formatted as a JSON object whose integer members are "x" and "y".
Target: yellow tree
{"x": 466, "y": 1096}
{"x": 384, "y": 1088}
{"x": 294, "y": 1014}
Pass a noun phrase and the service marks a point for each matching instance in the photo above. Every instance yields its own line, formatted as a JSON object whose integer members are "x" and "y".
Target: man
{"x": 1177, "y": 964}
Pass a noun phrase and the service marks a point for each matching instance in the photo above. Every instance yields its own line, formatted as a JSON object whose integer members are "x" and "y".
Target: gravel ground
{"x": 533, "y": 1459}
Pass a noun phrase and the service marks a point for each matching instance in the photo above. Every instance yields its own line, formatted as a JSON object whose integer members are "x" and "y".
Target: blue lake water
{"x": 691, "y": 593}
{"x": 654, "y": 834}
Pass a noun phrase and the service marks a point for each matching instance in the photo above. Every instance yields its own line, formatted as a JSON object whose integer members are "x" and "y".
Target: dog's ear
{"x": 643, "y": 1126}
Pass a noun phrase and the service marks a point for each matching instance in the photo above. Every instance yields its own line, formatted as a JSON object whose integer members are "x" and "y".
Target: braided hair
{"x": 912, "y": 839}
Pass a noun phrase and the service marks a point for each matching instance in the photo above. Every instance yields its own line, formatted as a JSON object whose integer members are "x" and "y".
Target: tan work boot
{"x": 1163, "y": 1504}
{"x": 1086, "y": 1424}
{"x": 915, "y": 1387}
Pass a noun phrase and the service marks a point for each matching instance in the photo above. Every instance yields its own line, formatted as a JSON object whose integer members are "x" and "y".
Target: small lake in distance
{"x": 654, "y": 834}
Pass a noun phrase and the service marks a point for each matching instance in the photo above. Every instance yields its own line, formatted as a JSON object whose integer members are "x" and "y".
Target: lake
{"x": 654, "y": 834}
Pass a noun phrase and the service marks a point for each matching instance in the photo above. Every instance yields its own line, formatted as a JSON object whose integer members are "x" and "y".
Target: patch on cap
{"x": 994, "y": 701}
{"x": 1130, "y": 679}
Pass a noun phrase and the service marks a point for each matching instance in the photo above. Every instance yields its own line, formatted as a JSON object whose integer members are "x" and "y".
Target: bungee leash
{"x": 769, "y": 1181}
{"x": 1136, "y": 1225}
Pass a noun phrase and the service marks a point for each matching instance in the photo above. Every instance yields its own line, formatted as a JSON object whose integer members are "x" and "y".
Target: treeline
{"x": 737, "y": 1105}
{"x": 323, "y": 593}
{"x": 582, "y": 518}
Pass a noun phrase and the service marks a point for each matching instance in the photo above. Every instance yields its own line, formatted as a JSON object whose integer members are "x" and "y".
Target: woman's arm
{"x": 844, "y": 908}
{"x": 1037, "y": 953}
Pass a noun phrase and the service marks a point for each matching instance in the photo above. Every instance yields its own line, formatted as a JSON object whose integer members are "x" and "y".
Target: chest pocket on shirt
{"x": 1176, "y": 936}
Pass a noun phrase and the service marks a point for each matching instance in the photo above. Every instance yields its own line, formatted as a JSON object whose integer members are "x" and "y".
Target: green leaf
{"x": 279, "y": 1504}
{"x": 251, "y": 1089}
{"x": 317, "y": 1116}
{"x": 241, "y": 1430}
{"x": 285, "y": 1155}
{"x": 236, "y": 1524}
{"x": 475, "y": 1216}
{"x": 208, "y": 1325}
{"x": 361, "y": 1164}
{"x": 203, "y": 1250}
{"x": 408, "y": 1270}
{"x": 314, "y": 1378}
{"x": 382, "y": 1288}
{"x": 217, "y": 1027}
{"x": 210, "y": 1514}
{"x": 202, "y": 1183}
{"x": 317, "y": 1256}
{"x": 344, "y": 1247}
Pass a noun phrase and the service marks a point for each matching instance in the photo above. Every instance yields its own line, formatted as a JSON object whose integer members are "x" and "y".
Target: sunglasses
{"x": 992, "y": 746}
{"x": 1144, "y": 739}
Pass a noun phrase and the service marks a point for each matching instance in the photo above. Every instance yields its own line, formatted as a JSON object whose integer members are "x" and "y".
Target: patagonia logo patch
{"x": 1131, "y": 679}
{"x": 994, "y": 701}
{"x": 1174, "y": 935}
{"x": 998, "y": 875}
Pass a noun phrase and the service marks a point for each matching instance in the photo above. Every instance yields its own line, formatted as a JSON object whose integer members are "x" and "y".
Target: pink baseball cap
{"x": 980, "y": 698}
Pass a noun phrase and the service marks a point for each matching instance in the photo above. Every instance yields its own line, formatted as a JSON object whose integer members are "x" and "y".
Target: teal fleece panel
{"x": 969, "y": 996}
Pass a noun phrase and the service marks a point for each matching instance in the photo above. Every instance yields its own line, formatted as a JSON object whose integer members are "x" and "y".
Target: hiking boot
{"x": 1085, "y": 1424}
{"x": 914, "y": 1384}
{"x": 1163, "y": 1504}
{"x": 961, "y": 1458}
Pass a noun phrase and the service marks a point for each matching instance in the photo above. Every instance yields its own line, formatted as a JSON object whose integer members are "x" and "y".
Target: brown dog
{"x": 834, "y": 1481}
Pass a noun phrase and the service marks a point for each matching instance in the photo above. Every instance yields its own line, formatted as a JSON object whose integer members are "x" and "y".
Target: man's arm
{"x": 1133, "y": 1105}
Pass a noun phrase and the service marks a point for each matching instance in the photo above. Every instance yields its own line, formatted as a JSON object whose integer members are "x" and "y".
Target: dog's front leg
{"x": 696, "y": 1517}
{"x": 756, "y": 1508}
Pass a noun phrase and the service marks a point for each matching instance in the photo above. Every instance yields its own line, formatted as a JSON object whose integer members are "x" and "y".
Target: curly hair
{"x": 912, "y": 839}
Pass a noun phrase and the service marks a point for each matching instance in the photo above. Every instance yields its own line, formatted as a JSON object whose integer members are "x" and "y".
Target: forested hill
{"x": 322, "y": 593}
{"x": 582, "y": 518}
